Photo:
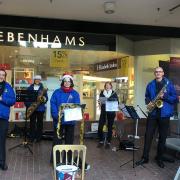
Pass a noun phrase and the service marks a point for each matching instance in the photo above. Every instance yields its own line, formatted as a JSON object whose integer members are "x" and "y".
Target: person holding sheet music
{"x": 64, "y": 94}
{"x": 106, "y": 117}
{"x": 158, "y": 117}
{"x": 7, "y": 99}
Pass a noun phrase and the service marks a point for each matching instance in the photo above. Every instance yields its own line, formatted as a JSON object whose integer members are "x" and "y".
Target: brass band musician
{"x": 160, "y": 98}
{"x": 36, "y": 118}
{"x": 7, "y": 99}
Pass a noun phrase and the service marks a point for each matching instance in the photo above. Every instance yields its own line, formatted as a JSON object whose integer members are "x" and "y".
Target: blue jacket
{"x": 59, "y": 97}
{"x": 8, "y": 100}
{"x": 41, "y": 107}
{"x": 169, "y": 99}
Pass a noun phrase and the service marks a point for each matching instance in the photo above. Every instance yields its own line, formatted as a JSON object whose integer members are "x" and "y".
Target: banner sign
{"x": 106, "y": 65}
{"x": 56, "y": 39}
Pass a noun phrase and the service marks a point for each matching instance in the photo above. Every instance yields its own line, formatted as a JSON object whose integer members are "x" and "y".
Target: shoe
{"x": 4, "y": 167}
{"x": 166, "y": 159}
{"x": 37, "y": 140}
{"x": 100, "y": 144}
{"x": 107, "y": 146}
{"x": 160, "y": 163}
{"x": 142, "y": 161}
{"x": 31, "y": 140}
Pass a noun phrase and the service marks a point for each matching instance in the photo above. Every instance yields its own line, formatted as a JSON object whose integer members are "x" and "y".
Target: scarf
{"x": 36, "y": 87}
{"x": 66, "y": 89}
{"x": 107, "y": 94}
{"x": 2, "y": 87}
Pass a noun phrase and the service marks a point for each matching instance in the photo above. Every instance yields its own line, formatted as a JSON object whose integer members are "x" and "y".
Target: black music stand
{"x": 25, "y": 96}
{"x": 130, "y": 112}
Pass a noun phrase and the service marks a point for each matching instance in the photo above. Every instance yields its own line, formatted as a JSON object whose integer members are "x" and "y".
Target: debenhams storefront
{"x": 94, "y": 58}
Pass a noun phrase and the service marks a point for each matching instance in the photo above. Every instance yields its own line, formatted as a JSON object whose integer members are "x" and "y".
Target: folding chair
{"x": 77, "y": 157}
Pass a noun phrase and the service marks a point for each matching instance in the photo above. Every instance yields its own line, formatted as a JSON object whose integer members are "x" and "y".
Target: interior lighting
{"x": 93, "y": 78}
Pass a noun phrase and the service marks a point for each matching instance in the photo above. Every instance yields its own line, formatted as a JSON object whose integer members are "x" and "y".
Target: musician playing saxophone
{"x": 158, "y": 89}
{"x": 36, "y": 118}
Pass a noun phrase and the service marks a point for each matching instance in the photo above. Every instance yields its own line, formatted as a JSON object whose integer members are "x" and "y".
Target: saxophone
{"x": 40, "y": 99}
{"x": 157, "y": 102}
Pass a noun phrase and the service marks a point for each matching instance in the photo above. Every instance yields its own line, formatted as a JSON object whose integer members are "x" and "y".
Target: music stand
{"x": 130, "y": 112}
{"x": 25, "y": 96}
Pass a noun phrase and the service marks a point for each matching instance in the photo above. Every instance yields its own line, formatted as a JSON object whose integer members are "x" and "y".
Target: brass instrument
{"x": 40, "y": 99}
{"x": 157, "y": 102}
{"x": 60, "y": 115}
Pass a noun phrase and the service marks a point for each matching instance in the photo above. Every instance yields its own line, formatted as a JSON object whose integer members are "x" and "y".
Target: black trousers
{"x": 36, "y": 125}
{"x": 3, "y": 133}
{"x": 67, "y": 132}
{"x": 109, "y": 118}
{"x": 163, "y": 125}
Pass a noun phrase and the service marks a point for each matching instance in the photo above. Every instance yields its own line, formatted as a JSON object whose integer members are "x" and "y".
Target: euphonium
{"x": 157, "y": 102}
{"x": 40, "y": 99}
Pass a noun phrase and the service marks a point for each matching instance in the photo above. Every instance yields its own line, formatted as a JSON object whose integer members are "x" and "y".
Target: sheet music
{"x": 124, "y": 110}
{"x": 73, "y": 114}
{"x": 102, "y": 100}
{"x": 112, "y": 106}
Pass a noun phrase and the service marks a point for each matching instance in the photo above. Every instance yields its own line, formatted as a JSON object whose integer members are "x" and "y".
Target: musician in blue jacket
{"x": 7, "y": 99}
{"x": 36, "y": 119}
{"x": 163, "y": 89}
{"x": 64, "y": 94}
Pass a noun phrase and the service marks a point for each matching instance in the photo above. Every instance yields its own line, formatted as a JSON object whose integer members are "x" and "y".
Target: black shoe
{"x": 142, "y": 161}
{"x": 4, "y": 167}
{"x": 107, "y": 146}
{"x": 100, "y": 144}
{"x": 37, "y": 140}
{"x": 166, "y": 159}
{"x": 160, "y": 163}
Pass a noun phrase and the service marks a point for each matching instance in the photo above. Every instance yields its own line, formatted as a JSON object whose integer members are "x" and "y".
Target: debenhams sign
{"x": 69, "y": 39}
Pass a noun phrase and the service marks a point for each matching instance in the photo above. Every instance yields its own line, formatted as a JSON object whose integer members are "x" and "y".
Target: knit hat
{"x": 67, "y": 76}
{"x": 38, "y": 77}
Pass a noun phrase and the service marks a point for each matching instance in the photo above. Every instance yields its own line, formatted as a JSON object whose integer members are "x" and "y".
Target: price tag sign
{"x": 59, "y": 58}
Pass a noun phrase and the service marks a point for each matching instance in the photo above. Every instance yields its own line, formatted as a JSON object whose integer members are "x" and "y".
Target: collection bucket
{"x": 66, "y": 172}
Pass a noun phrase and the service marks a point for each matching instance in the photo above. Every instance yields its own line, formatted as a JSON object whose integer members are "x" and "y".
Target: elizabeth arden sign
{"x": 106, "y": 65}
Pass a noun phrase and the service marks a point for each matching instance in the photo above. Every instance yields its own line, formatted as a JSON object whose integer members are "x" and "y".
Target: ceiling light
{"x": 109, "y": 7}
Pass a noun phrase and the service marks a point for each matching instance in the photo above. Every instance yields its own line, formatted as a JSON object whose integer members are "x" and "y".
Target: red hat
{"x": 67, "y": 75}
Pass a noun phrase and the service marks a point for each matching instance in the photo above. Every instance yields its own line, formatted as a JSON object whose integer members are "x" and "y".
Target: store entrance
{"x": 91, "y": 69}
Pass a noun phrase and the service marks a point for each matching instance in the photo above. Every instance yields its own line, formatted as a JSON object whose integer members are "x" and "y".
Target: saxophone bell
{"x": 159, "y": 103}
{"x": 42, "y": 99}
